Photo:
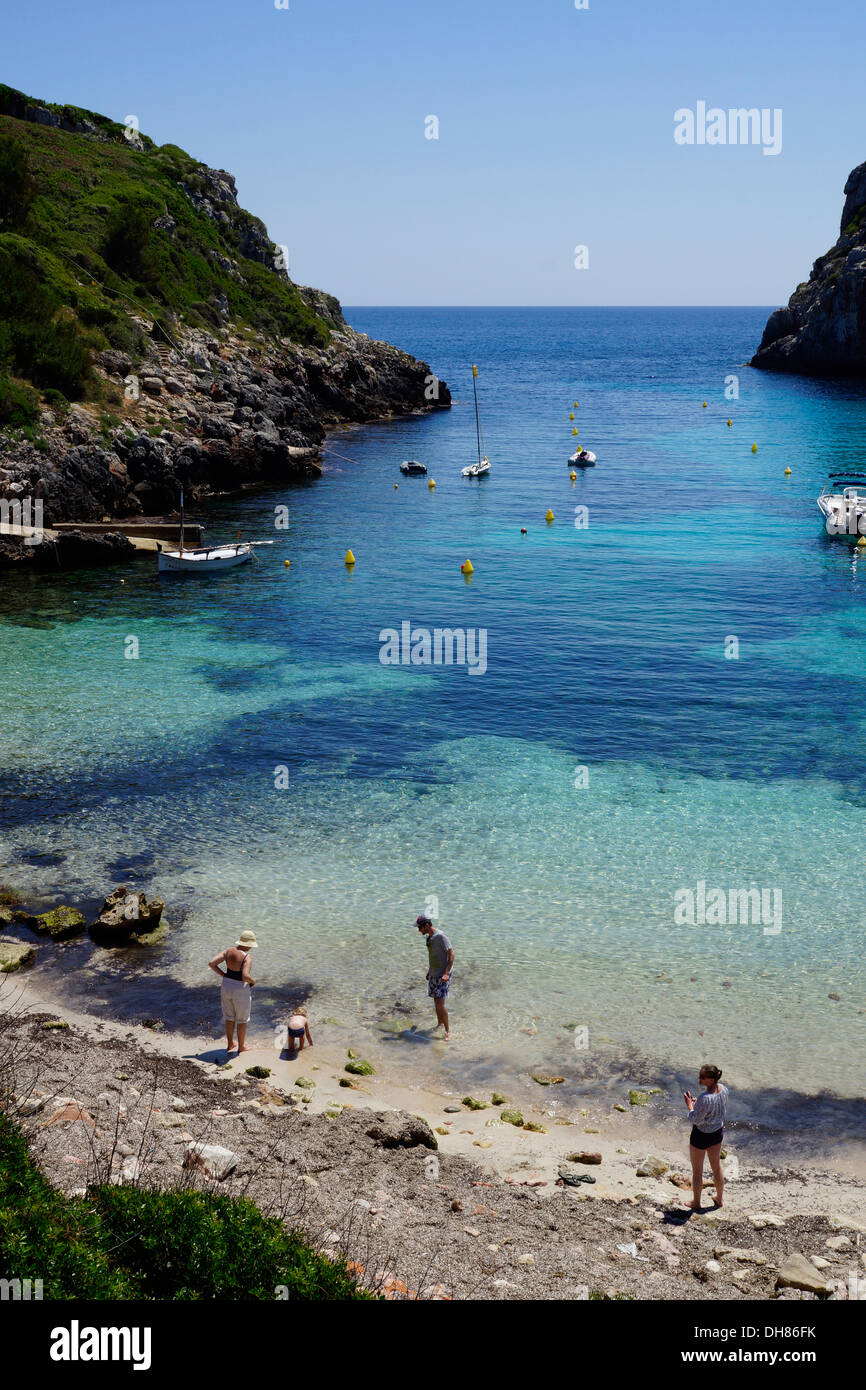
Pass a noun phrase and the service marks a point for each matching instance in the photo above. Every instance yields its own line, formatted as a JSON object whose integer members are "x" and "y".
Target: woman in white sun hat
{"x": 236, "y": 989}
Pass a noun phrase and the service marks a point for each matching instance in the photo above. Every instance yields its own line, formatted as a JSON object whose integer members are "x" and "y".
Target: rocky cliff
{"x": 822, "y": 332}
{"x": 150, "y": 335}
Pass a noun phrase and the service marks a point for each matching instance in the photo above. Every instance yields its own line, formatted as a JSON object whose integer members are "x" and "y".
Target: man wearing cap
{"x": 236, "y": 989}
{"x": 441, "y": 962}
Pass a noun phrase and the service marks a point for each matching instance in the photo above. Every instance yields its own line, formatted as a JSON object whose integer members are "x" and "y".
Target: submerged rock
{"x": 472, "y": 1104}
{"x": 360, "y": 1068}
{"x": 127, "y": 917}
{"x": 60, "y": 923}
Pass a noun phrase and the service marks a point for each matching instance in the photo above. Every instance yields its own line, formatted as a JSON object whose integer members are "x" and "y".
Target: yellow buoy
{"x": 350, "y": 559}
{"x": 730, "y": 422}
{"x": 754, "y": 448}
{"x": 571, "y": 416}
{"x": 787, "y": 472}
{"x": 548, "y": 516}
{"x": 575, "y": 405}
{"x": 704, "y": 405}
{"x": 862, "y": 540}
{"x": 467, "y": 567}
{"x": 572, "y": 475}
{"x": 287, "y": 563}
{"x": 574, "y": 431}
{"x": 396, "y": 485}
{"x": 432, "y": 483}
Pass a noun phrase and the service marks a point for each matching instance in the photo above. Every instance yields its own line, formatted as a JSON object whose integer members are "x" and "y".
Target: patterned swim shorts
{"x": 436, "y": 989}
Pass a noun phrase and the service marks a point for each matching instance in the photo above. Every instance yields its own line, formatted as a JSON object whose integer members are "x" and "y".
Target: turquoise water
{"x": 609, "y": 757}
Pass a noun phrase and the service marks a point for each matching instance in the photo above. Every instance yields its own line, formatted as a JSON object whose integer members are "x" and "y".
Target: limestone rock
{"x": 211, "y": 1159}
{"x": 796, "y": 1272}
{"x": 126, "y": 916}
{"x": 653, "y": 1167}
{"x": 14, "y": 954}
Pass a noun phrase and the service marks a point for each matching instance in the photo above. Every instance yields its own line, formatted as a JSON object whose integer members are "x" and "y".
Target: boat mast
{"x": 477, "y": 422}
{"x": 181, "y": 521}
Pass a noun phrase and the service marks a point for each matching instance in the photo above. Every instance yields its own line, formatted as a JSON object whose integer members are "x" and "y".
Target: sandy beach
{"x": 487, "y": 1214}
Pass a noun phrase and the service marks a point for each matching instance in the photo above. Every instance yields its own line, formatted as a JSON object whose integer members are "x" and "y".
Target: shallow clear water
{"x": 605, "y": 652}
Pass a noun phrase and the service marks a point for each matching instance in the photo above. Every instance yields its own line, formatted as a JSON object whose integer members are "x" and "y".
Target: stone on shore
{"x": 544, "y": 1080}
{"x": 211, "y": 1159}
{"x": 637, "y": 1098}
{"x": 14, "y": 954}
{"x": 472, "y": 1104}
{"x": 512, "y": 1117}
{"x": 796, "y": 1272}
{"x": 398, "y": 1131}
{"x": 584, "y": 1156}
{"x": 653, "y": 1167}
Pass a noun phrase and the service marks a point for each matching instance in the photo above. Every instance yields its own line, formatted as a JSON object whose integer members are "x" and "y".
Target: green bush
{"x": 196, "y": 1245}
{"x": 138, "y": 1243}
{"x": 19, "y": 406}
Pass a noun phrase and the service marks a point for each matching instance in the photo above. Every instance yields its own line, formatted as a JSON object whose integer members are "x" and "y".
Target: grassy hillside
{"x": 94, "y": 231}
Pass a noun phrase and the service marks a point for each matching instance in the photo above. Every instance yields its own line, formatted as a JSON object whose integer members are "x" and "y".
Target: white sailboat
{"x": 206, "y": 559}
{"x": 481, "y": 468}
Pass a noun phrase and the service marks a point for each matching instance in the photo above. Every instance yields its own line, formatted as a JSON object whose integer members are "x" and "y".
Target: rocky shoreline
{"x": 212, "y": 414}
{"x": 822, "y": 332}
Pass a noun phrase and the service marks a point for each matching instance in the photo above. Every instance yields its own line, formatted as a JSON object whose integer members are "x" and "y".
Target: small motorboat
{"x": 476, "y": 470}
{"x": 584, "y": 458}
{"x": 412, "y": 468}
{"x": 842, "y": 503}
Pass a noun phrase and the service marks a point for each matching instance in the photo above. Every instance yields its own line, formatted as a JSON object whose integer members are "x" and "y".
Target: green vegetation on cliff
{"x": 97, "y": 230}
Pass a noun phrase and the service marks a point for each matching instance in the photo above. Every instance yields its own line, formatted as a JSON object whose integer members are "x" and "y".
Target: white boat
{"x": 476, "y": 470}
{"x": 203, "y": 559}
{"x": 481, "y": 467}
{"x": 842, "y": 503}
{"x": 584, "y": 458}
{"x": 411, "y": 467}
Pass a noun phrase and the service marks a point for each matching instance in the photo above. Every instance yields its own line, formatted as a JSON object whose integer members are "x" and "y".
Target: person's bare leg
{"x": 230, "y": 1035}
{"x": 301, "y": 1042}
{"x": 442, "y": 1017}
{"x": 715, "y": 1156}
{"x": 242, "y": 1038}
{"x": 697, "y": 1157}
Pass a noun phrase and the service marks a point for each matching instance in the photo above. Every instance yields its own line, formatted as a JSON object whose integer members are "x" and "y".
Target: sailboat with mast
{"x": 481, "y": 468}
{"x": 208, "y": 559}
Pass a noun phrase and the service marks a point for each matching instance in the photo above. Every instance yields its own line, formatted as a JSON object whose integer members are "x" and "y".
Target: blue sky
{"x": 555, "y": 130}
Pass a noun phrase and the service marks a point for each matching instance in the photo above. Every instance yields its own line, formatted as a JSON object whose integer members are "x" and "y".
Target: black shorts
{"x": 699, "y": 1140}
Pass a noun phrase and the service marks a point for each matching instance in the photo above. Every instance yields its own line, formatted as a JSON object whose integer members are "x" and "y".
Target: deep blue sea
{"x": 674, "y": 695}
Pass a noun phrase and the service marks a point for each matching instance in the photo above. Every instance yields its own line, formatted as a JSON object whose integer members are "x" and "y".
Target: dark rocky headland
{"x": 822, "y": 332}
{"x": 150, "y": 338}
